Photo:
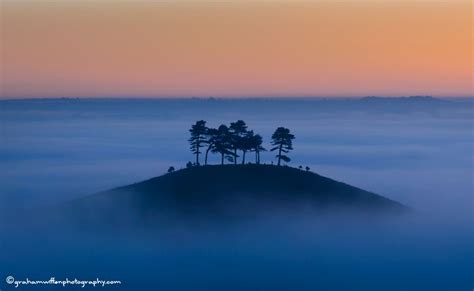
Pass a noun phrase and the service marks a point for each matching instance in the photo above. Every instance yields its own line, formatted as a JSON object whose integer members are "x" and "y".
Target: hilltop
{"x": 229, "y": 192}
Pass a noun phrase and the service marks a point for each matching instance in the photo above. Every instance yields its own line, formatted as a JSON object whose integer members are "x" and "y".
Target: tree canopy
{"x": 198, "y": 131}
{"x": 235, "y": 141}
{"x": 282, "y": 141}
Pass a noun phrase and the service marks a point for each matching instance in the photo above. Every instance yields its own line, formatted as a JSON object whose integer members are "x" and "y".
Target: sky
{"x": 187, "y": 48}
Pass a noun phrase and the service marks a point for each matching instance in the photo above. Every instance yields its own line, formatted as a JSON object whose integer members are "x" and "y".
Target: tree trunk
{"x": 243, "y": 157}
{"x": 207, "y": 152}
{"x": 257, "y": 153}
{"x": 197, "y": 152}
{"x": 235, "y": 156}
{"x": 279, "y": 154}
{"x": 222, "y": 159}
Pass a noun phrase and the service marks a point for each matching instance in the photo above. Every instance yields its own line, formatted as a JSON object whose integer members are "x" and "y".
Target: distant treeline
{"x": 235, "y": 141}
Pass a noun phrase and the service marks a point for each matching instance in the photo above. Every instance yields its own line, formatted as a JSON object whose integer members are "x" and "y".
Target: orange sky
{"x": 235, "y": 48}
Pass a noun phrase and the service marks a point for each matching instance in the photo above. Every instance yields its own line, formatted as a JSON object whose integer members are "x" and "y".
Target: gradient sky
{"x": 184, "y": 48}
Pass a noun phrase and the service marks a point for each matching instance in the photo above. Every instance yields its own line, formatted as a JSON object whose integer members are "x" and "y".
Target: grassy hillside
{"x": 229, "y": 192}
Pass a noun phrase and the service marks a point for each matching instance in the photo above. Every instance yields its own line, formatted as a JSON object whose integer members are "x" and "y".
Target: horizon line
{"x": 270, "y": 97}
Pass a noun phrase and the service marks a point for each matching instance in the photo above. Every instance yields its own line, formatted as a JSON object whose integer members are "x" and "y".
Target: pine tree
{"x": 257, "y": 147}
{"x": 223, "y": 144}
{"x": 210, "y": 139}
{"x": 198, "y": 131}
{"x": 237, "y": 130}
{"x": 282, "y": 141}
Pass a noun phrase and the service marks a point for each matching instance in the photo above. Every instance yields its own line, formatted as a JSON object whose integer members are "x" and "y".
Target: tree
{"x": 246, "y": 144}
{"x": 256, "y": 146}
{"x": 198, "y": 131}
{"x": 282, "y": 141}
{"x": 237, "y": 130}
{"x": 210, "y": 139}
{"x": 171, "y": 169}
{"x": 223, "y": 144}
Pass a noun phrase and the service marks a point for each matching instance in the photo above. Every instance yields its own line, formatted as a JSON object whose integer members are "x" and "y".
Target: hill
{"x": 229, "y": 192}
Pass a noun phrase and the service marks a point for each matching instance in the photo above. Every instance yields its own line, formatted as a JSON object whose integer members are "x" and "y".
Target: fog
{"x": 417, "y": 152}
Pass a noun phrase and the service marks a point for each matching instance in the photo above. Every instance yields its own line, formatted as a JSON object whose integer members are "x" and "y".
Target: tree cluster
{"x": 235, "y": 141}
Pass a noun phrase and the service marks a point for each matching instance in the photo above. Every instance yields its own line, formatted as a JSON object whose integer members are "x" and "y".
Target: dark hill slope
{"x": 229, "y": 192}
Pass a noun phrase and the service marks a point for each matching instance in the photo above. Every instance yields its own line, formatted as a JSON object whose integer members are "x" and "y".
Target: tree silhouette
{"x": 282, "y": 141}
{"x": 223, "y": 144}
{"x": 211, "y": 135}
{"x": 198, "y": 131}
{"x": 256, "y": 146}
{"x": 238, "y": 131}
{"x": 228, "y": 140}
{"x": 171, "y": 169}
{"x": 246, "y": 144}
